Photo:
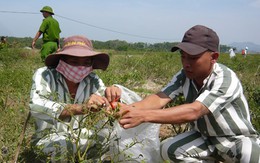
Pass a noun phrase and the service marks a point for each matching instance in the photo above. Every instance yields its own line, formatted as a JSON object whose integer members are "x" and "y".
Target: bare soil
{"x": 166, "y": 130}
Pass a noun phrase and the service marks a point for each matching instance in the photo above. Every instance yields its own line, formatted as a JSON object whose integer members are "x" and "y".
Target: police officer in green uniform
{"x": 51, "y": 33}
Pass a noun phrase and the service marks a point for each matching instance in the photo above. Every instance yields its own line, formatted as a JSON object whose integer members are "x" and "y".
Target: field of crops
{"x": 143, "y": 72}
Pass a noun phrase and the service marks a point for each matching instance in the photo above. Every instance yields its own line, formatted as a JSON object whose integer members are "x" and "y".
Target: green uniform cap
{"x": 47, "y": 9}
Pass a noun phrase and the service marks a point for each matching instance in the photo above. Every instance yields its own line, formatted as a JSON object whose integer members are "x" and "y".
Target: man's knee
{"x": 250, "y": 152}
{"x": 188, "y": 146}
{"x": 245, "y": 150}
{"x": 172, "y": 149}
{"x": 57, "y": 148}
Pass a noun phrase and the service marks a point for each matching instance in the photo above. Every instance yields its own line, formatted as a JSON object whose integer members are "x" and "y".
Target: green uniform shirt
{"x": 50, "y": 29}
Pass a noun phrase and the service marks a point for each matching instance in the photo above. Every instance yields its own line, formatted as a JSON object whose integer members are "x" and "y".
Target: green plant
{"x": 129, "y": 68}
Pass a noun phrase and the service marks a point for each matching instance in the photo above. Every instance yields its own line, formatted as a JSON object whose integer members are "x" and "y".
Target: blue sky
{"x": 148, "y": 21}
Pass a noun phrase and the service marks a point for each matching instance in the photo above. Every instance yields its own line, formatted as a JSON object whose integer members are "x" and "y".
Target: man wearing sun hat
{"x": 63, "y": 91}
{"x": 50, "y": 29}
{"x": 215, "y": 107}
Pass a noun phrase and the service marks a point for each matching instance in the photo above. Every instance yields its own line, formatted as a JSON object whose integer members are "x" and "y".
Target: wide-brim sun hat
{"x": 197, "y": 40}
{"x": 47, "y": 9}
{"x": 78, "y": 46}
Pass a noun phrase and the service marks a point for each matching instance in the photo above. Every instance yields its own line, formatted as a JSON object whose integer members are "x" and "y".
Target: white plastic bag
{"x": 138, "y": 144}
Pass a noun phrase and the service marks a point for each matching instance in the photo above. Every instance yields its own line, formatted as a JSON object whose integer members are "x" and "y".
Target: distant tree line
{"x": 118, "y": 45}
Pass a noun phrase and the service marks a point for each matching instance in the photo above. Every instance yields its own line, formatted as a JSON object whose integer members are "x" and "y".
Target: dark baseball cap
{"x": 198, "y": 39}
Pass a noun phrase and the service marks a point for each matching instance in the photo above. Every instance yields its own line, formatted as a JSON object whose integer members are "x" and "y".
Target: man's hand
{"x": 113, "y": 93}
{"x": 131, "y": 117}
{"x": 38, "y": 34}
{"x": 33, "y": 44}
{"x": 95, "y": 102}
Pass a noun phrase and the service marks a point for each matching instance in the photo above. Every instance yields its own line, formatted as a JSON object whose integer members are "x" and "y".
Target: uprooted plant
{"x": 91, "y": 140}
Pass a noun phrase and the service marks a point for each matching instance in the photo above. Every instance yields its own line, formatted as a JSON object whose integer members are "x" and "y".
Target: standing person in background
{"x": 246, "y": 49}
{"x": 3, "y": 40}
{"x": 244, "y": 52}
{"x": 51, "y": 33}
{"x": 231, "y": 53}
{"x": 215, "y": 107}
{"x": 3, "y": 43}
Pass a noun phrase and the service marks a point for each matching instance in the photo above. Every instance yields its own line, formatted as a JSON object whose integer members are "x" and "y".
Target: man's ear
{"x": 214, "y": 57}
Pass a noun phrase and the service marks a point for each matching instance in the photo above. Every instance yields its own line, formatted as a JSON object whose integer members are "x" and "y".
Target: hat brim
{"x": 100, "y": 60}
{"x": 189, "y": 48}
{"x": 47, "y": 11}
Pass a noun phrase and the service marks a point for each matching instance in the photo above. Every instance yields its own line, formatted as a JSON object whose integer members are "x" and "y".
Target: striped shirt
{"x": 222, "y": 94}
{"x": 50, "y": 94}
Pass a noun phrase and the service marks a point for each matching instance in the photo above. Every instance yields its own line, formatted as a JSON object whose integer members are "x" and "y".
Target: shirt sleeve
{"x": 42, "y": 101}
{"x": 175, "y": 87}
{"x": 43, "y": 26}
{"x": 98, "y": 84}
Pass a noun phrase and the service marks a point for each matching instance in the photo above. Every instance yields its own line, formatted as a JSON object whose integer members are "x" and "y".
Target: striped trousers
{"x": 191, "y": 146}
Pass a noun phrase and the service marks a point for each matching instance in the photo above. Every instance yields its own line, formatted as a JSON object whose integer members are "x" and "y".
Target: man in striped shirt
{"x": 62, "y": 95}
{"x": 215, "y": 107}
